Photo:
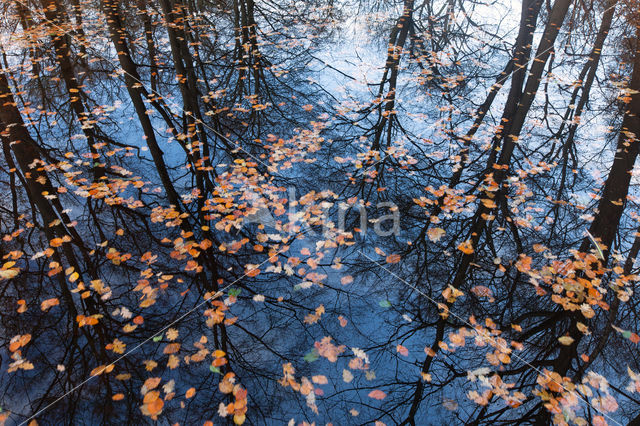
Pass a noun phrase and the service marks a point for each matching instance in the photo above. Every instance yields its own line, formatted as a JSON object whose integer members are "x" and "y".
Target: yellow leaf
{"x": 566, "y": 340}
{"x": 172, "y": 334}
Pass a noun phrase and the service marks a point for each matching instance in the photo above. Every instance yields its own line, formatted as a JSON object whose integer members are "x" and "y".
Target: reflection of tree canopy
{"x": 173, "y": 176}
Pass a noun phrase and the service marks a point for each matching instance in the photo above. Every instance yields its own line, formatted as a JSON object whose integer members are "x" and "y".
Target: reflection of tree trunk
{"x": 517, "y": 67}
{"x": 616, "y": 188}
{"x": 592, "y": 67}
{"x": 26, "y": 21}
{"x": 426, "y": 365}
{"x": 136, "y": 93}
{"x": 79, "y": 31}
{"x": 62, "y": 46}
{"x": 397, "y": 41}
{"x": 515, "y": 111}
{"x": 13, "y": 186}
{"x": 183, "y": 61}
{"x": 611, "y": 205}
{"x": 588, "y": 72}
{"x": 151, "y": 45}
{"x": 16, "y": 139}
{"x": 519, "y": 61}
{"x": 187, "y": 81}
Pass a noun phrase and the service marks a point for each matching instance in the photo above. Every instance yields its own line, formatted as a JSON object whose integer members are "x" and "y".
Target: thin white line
{"x": 504, "y": 346}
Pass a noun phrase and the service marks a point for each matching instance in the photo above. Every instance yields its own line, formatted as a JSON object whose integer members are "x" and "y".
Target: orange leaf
{"x": 394, "y": 258}
{"x": 343, "y": 321}
{"x": 46, "y": 304}
{"x": 101, "y": 369}
{"x": 252, "y": 271}
{"x": 152, "y": 383}
{"x": 218, "y": 362}
{"x": 466, "y": 247}
{"x": 151, "y": 396}
{"x": 155, "y": 407}
{"x": 172, "y": 348}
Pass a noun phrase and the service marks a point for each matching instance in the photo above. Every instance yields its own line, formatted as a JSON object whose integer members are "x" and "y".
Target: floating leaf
{"x": 348, "y": 279}
{"x": 565, "y": 340}
{"x": 152, "y": 383}
{"x": 466, "y": 247}
{"x": 320, "y": 380}
{"x": 394, "y": 258}
{"x": 312, "y": 356}
{"x": 46, "y": 304}
{"x": 435, "y": 234}
{"x": 402, "y": 350}
{"x": 377, "y": 394}
{"x": 172, "y": 334}
{"x": 155, "y": 407}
